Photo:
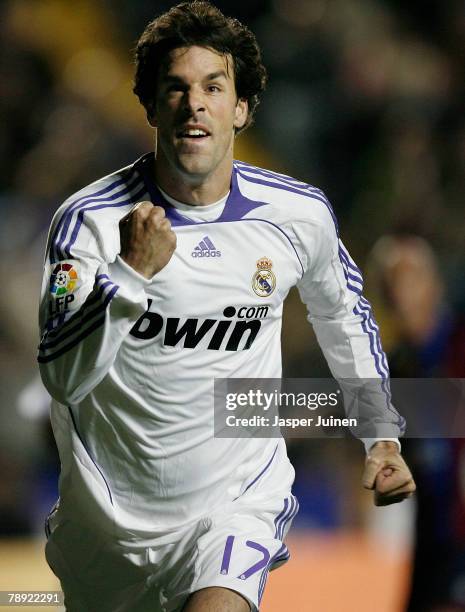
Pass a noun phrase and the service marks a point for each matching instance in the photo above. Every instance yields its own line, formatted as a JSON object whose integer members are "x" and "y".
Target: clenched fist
{"x": 147, "y": 240}
{"x": 387, "y": 474}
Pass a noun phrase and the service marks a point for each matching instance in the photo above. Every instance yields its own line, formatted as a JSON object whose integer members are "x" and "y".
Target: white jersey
{"x": 130, "y": 362}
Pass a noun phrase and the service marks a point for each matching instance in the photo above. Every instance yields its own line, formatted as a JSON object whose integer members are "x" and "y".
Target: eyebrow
{"x": 216, "y": 75}
{"x": 210, "y": 77}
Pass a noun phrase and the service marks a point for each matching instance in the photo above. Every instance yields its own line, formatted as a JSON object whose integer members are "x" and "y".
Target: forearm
{"x": 357, "y": 361}
{"x": 346, "y": 330}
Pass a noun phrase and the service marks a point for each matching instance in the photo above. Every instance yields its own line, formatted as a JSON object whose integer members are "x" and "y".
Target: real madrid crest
{"x": 264, "y": 280}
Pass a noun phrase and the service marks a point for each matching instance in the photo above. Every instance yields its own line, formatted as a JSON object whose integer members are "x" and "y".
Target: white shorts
{"x": 234, "y": 547}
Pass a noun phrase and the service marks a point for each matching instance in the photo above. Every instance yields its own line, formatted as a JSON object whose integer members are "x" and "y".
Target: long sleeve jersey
{"x": 130, "y": 362}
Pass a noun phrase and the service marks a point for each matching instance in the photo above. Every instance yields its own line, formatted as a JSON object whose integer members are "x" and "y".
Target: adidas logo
{"x": 205, "y": 248}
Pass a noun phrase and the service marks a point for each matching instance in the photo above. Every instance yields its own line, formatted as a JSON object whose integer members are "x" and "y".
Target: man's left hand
{"x": 387, "y": 474}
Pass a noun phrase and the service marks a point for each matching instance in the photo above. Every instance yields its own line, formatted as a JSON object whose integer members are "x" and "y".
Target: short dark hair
{"x": 199, "y": 23}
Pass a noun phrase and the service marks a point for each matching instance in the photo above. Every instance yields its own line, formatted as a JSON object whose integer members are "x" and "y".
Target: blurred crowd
{"x": 365, "y": 100}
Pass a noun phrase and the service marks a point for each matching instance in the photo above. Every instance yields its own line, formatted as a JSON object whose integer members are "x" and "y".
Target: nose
{"x": 194, "y": 101}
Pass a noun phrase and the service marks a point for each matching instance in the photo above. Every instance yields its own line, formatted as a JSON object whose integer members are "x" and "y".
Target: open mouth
{"x": 193, "y": 133}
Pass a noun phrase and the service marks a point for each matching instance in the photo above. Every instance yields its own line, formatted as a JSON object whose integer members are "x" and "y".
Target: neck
{"x": 198, "y": 190}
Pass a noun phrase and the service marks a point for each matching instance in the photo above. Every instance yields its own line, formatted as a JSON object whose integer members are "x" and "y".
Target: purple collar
{"x": 236, "y": 207}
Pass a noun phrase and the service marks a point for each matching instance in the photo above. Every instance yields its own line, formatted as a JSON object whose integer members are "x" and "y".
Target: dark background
{"x": 365, "y": 100}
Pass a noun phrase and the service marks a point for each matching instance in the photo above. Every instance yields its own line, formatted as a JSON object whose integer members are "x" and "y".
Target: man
{"x": 430, "y": 342}
{"x": 146, "y": 273}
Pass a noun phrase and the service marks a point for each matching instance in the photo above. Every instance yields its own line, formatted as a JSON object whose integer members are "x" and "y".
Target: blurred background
{"x": 366, "y": 101}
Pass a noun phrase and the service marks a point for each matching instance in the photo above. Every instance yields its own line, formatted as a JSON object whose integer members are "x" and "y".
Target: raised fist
{"x": 147, "y": 240}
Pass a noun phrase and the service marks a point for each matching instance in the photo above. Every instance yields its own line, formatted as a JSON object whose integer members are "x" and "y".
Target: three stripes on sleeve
{"x": 63, "y": 335}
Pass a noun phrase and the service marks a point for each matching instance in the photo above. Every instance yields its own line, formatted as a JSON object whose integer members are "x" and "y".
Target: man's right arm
{"x": 88, "y": 306}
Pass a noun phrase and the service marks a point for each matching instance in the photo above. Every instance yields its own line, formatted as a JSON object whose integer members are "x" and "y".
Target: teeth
{"x": 194, "y": 133}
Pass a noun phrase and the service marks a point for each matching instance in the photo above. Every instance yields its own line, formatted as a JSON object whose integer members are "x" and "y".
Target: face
{"x": 196, "y": 112}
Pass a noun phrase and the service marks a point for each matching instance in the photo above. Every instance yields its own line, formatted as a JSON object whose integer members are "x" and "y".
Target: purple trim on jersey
{"x": 297, "y": 508}
{"x": 271, "y": 173}
{"x": 84, "y": 334}
{"x": 264, "y": 576}
{"x": 145, "y": 166}
{"x": 373, "y": 335}
{"x": 379, "y": 357}
{"x": 293, "y": 509}
{"x": 260, "y": 475}
{"x": 286, "y": 514}
{"x": 351, "y": 264}
{"x": 56, "y": 253}
{"x": 66, "y": 217}
{"x": 227, "y": 555}
{"x": 281, "y": 514}
{"x": 88, "y": 453}
{"x": 349, "y": 285}
{"x": 327, "y": 203}
{"x": 365, "y": 305}
{"x": 289, "y": 517}
{"x": 299, "y": 191}
{"x": 369, "y": 326}
{"x": 364, "y": 325}
{"x": 282, "y": 178}
{"x": 158, "y": 199}
{"x": 256, "y": 567}
{"x": 91, "y": 299}
{"x": 131, "y": 200}
{"x": 281, "y": 555}
{"x": 284, "y": 556}
{"x": 366, "y": 312}
{"x": 279, "y": 185}
{"x": 352, "y": 277}
{"x": 236, "y": 207}
{"x": 69, "y": 346}
{"x": 64, "y": 333}
{"x": 353, "y": 274}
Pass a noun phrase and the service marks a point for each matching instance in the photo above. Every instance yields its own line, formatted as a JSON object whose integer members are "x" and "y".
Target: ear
{"x": 241, "y": 112}
{"x": 152, "y": 116}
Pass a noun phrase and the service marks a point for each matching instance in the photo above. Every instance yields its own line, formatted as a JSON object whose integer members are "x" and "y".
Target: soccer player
{"x": 154, "y": 276}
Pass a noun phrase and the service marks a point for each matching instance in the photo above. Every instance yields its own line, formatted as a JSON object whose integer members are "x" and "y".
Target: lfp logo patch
{"x": 63, "y": 279}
